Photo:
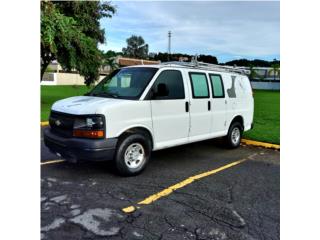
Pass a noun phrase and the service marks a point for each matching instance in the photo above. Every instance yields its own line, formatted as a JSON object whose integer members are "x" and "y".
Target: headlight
{"x": 92, "y": 123}
{"x": 89, "y": 127}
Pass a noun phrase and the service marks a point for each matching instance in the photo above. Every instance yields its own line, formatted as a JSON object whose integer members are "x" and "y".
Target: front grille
{"x": 62, "y": 123}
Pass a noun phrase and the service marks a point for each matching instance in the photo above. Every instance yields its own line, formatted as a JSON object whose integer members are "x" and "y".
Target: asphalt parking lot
{"x": 85, "y": 200}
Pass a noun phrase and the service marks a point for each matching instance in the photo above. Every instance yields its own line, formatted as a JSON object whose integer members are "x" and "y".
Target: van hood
{"x": 86, "y": 105}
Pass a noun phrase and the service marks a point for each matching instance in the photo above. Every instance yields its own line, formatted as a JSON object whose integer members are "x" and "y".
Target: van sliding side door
{"x": 200, "y": 106}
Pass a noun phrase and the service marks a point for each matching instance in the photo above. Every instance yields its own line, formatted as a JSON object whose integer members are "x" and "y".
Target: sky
{"x": 226, "y": 29}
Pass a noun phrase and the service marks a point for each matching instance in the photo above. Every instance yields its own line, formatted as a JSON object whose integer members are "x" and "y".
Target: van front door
{"x": 170, "y": 118}
{"x": 200, "y": 106}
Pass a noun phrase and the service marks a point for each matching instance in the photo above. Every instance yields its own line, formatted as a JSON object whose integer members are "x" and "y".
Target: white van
{"x": 140, "y": 109}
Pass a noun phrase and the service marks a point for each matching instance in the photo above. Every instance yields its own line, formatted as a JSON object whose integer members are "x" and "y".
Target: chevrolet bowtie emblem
{"x": 57, "y": 122}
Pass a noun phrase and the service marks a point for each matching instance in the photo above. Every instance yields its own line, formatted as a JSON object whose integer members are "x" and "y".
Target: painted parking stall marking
{"x": 52, "y": 161}
{"x": 182, "y": 184}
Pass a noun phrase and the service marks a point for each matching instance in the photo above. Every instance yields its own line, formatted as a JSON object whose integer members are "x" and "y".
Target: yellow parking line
{"x": 128, "y": 209}
{"x": 182, "y": 184}
{"x": 52, "y": 161}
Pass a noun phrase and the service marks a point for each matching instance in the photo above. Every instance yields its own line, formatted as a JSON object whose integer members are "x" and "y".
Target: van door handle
{"x": 187, "y": 106}
{"x": 209, "y": 106}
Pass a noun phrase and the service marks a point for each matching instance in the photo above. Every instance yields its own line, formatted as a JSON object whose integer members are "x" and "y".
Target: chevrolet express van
{"x": 140, "y": 109}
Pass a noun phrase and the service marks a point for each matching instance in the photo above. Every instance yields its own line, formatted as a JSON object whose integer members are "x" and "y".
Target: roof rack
{"x": 209, "y": 66}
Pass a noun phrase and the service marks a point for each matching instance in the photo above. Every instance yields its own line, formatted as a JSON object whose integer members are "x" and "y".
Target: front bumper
{"x": 80, "y": 149}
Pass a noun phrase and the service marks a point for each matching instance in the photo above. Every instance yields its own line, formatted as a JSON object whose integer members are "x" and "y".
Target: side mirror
{"x": 162, "y": 90}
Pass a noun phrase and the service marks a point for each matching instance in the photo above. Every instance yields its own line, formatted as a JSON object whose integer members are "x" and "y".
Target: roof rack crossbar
{"x": 209, "y": 66}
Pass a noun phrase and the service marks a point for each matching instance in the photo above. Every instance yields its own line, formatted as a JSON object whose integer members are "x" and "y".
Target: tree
{"x": 136, "y": 47}
{"x": 253, "y": 73}
{"x": 109, "y": 60}
{"x": 275, "y": 69}
{"x": 208, "y": 59}
{"x": 109, "y": 54}
{"x": 70, "y": 33}
{"x": 163, "y": 57}
{"x": 255, "y": 62}
{"x": 111, "y": 63}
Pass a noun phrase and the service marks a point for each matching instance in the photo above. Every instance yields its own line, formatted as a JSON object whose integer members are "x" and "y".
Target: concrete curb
{"x": 260, "y": 144}
{"x": 43, "y": 124}
{"x": 244, "y": 141}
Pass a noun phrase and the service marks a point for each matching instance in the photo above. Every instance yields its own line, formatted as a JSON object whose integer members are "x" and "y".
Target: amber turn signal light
{"x": 88, "y": 133}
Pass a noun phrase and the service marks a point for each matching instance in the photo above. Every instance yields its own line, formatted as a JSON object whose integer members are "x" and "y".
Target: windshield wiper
{"x": 104, "y": 94}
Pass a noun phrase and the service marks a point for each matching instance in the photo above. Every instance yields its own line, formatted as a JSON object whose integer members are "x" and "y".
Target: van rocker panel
{"x": 80, "y": 149}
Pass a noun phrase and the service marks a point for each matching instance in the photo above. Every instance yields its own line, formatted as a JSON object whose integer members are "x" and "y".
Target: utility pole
{"x": 169, "y": 44}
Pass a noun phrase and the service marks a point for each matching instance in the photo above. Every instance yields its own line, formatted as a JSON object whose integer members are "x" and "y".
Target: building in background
{"x": 57, "y": 76}
{"x": 265, "y": 78}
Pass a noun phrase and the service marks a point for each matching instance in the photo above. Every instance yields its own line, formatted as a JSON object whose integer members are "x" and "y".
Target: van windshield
{"x": 126, "y": 83}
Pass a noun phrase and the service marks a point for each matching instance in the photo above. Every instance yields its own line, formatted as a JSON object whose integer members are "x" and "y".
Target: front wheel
{"x": 133, "y": 154}
{"x": 234, "y": 135}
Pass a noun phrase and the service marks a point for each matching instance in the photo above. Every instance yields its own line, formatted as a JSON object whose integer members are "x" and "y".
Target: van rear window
{"x": 217, "y": 86}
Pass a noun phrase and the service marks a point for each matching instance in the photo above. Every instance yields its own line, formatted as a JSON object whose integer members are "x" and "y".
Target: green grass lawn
{"x": 50, "y": 94}
{"x": 266, "y": 110}
{"x": 266, "y": 117}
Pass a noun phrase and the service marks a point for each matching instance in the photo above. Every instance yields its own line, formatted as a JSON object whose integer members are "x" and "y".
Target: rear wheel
{"x": 133, "y": 154}
{"x": 234, "y": 135}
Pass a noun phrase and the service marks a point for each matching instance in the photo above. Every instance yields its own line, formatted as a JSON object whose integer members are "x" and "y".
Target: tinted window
{"x": 217, "y": 85}
{"x": 199, "y": 85}
{"x": 174, "y": 82}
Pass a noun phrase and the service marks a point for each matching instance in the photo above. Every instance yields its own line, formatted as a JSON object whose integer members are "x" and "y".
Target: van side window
{"x": 217, "y": 86}
{"x": 174, "y": 82}
{"x": 199, "y": 85}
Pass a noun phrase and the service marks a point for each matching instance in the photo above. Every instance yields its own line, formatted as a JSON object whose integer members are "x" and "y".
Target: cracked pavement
{"x": 84, "y": 200}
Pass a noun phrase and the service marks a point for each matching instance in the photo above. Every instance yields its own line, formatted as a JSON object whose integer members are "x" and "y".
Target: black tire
{"x": 125, "y": 144}
{"x": 230, "y": 140}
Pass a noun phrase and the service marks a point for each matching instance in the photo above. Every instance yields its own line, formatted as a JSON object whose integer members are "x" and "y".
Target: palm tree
{"x": 253, "y": 73}
{"x": 275, "y": 69}
{"x": 111, "y": 62}
{"x": 136, "y": 47}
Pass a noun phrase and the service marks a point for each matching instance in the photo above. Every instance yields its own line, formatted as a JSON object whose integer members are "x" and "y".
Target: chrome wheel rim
{"x": 134, "y": 155}
{"x": 235, "y": 136}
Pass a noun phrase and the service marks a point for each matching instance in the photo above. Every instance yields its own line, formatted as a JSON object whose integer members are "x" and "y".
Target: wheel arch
{"x": 138, "y": 129}
{"x": 239, "y": 119}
